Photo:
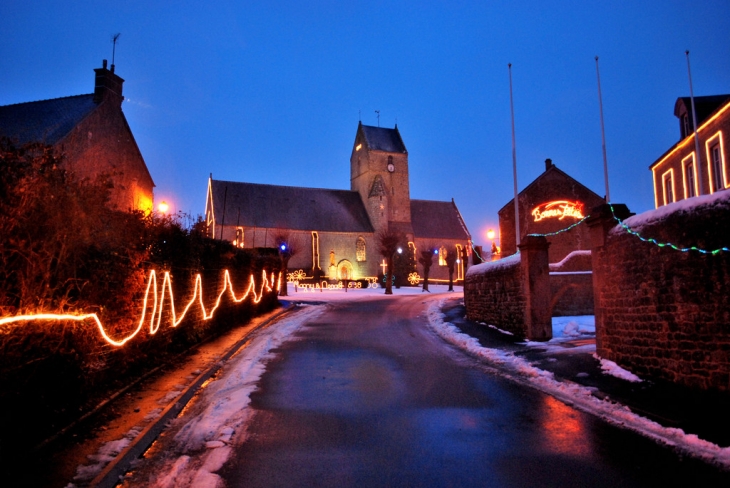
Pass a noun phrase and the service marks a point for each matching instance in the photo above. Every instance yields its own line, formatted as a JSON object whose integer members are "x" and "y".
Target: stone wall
{"x": 660, "y": 312}
{"x": 513, "y": 293}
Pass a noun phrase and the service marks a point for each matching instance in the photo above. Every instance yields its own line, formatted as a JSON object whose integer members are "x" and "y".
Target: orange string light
{"x": 155, "y": 319}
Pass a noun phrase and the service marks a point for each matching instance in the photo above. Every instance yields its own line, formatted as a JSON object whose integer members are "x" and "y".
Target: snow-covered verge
{"x": 216, "y": 422}
{"x": 519, "y": 370}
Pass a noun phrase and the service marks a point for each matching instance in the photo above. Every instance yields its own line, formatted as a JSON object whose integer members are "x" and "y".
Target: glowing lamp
{"x": 435, "y": 251}
{"x": 400, "y": 250}
{"x": 490, "y": 234}
{"x": 163, "y": 207}
{"x": 283, "y": 247}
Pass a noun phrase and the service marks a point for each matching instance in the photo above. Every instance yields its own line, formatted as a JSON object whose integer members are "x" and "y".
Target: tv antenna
{"x": 378, "y": 112}
{"x": 115, "y": 37}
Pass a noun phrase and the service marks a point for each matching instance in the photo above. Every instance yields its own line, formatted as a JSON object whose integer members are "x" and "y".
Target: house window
{"x": 689, "y": 174}
{"x": 668, "y": 186}
{"x": 716, "y": 162}
{"x": 442, "y": 256}
{"x": 360, "y": 254}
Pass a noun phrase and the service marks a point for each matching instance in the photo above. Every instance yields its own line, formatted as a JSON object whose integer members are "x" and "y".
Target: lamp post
{"x": 495, "y": 250}
{"x": 163, "y": 207}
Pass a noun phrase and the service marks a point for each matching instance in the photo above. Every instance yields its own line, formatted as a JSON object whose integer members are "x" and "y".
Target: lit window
{"x": 442, "y": 256}
{"x": 668, "y": 185}
{"x": 716, "y": 162}
{"x": 239, "y": 237}
{"x": 360, "y": 249}
{"x": 690, "y": 176}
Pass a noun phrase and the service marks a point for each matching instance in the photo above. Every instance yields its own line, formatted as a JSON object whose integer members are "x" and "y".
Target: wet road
{"x": 368, "y": 396}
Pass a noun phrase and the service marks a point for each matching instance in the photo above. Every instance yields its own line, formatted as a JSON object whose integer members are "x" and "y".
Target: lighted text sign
{"x": 558, "y": 209}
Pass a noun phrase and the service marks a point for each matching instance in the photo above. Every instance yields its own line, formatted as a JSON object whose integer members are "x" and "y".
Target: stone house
{"x": 92, "y": 133}
{"x": 681, "y": 173}
{"x": 335, "y": 232}
{"x": 552, "y": 202}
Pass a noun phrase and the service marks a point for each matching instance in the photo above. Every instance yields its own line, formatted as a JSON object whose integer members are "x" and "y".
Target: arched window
{"x": 360, "y": 252}
{"x": 442, "y": 256}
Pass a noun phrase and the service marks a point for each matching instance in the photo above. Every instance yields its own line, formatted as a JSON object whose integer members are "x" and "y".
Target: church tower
{"x": 379, "y": 172}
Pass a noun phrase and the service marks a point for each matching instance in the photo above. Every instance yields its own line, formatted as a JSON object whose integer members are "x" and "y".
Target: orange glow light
{"x": 163, "y": 207}
{"x": 158, "y": 305}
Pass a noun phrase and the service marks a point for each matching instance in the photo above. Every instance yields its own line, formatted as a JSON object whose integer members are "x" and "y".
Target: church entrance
{"x": 344, "y": 270}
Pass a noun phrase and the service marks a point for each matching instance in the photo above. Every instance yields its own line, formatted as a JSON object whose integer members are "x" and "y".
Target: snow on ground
{"x": 609, "y": 367}
{"x": 204, "y": 441}
{"x": 521, "y": 371}
{"x": 327, "y": 295}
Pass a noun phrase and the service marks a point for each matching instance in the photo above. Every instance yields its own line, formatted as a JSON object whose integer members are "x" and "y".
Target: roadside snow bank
{"x": 203, "y": 443}
{"x": 517, "y": 369}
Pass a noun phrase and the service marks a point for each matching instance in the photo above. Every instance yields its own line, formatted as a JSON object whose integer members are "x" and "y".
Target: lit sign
{"x": 558, "y": 209}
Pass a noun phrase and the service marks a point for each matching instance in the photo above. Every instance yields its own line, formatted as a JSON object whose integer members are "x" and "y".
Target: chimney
{"x": 108, "y": 86}
{"x": 548, "y": 164}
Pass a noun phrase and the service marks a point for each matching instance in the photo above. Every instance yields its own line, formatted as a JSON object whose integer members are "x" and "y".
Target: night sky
{"x": 271, "y": 92}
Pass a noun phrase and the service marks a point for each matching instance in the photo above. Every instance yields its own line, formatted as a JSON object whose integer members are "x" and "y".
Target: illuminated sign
{"x": 558, "y": 209}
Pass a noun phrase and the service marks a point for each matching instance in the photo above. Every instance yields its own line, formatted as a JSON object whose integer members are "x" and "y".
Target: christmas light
{"x": 666, "y": 244}
{"x": 155, "y": 318}
{"x": 561, "y": 230}
{"x": 559, "y": 209}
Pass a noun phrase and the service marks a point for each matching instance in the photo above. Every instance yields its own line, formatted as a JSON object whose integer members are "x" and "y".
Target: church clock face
{"x": 391, "y": 167}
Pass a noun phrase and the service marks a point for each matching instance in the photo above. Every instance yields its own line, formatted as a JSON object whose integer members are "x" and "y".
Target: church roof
{"x": 289, "y": 207}
{"x": 383, "y": 139}
{"x": 437, "y": 220}
{"x": 46, "y": 121}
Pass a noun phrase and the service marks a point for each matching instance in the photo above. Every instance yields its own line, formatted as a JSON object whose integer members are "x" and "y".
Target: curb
{"x": 111, "y": 474}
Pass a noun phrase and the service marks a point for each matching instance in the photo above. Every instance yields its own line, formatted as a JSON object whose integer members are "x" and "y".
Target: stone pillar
{"x": 600, "y": 222}
{"x": 536, "y": 287}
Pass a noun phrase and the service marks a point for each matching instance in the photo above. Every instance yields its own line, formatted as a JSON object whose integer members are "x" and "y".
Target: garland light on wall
{"x": 155, "y": 318}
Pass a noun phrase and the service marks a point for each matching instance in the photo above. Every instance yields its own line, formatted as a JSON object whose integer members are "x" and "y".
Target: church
{"x": 334, "y": 233}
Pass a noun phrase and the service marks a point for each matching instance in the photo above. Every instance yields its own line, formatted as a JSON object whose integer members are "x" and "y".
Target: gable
{"x": 288, "y": 207}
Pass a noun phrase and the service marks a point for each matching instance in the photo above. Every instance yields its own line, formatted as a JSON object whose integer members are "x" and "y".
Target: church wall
{"x": 438, "y": 272}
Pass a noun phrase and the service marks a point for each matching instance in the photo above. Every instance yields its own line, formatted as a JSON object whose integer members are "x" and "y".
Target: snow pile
{"x": 204, "y": 442}
{"x": 104, "y": 456}
{"x": 484, "y": 268}
{"x": 572, "y": 255}
{"x": 609, "y": 367}
{"x": 580, "y": 397}
{"x": 572, "y": 327}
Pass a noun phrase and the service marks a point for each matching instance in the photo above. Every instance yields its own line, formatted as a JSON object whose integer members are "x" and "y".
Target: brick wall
{"x": 659, "y": 312}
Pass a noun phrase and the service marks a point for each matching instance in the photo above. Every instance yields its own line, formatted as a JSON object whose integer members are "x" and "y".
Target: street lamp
{"x": 163, "y": 207}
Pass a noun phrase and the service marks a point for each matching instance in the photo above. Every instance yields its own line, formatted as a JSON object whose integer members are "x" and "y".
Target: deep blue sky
{"x": 269, "y": 92}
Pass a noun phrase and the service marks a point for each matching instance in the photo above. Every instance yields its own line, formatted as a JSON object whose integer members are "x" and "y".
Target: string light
{"x": 561, "y": 230}
{"x": 155, "y": 319}
{"x": 666, "y": 244}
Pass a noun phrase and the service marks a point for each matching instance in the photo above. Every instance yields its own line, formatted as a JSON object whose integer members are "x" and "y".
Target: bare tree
{"x": 426, "y": 260}
{"x": 451, "y": 258}
{"x": 287, "y": 247}
{"x": 389, "y": 242}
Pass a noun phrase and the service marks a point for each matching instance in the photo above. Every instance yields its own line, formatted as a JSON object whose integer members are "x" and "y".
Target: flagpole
{"x": 514, "y": 159}
{"x": 603, "y": 133}
{"x": 694, "y": 123}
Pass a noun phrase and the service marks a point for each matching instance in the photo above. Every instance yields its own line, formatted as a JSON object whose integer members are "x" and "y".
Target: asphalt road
{"x": 368, "y": 396}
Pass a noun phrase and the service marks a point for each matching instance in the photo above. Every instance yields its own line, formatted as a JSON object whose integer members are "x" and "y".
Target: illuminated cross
{"x": 384, "y": 265}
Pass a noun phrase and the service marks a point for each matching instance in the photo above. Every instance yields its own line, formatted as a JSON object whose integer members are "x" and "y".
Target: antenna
{"x": 359, "y": 116}
{"x": 115, "y": 37}
{"x": 378, "y": 112}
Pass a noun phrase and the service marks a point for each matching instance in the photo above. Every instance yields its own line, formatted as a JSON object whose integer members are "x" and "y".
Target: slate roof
{"x": 437, "y": 220}
{"x": 704, "y": 106}
{"x": 289, "y": 207}
{"x": 383, "y": 139}
{"x": 46, "y": 121}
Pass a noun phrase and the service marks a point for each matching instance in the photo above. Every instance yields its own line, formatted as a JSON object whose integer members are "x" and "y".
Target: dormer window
{"x": 686, "y": 129}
